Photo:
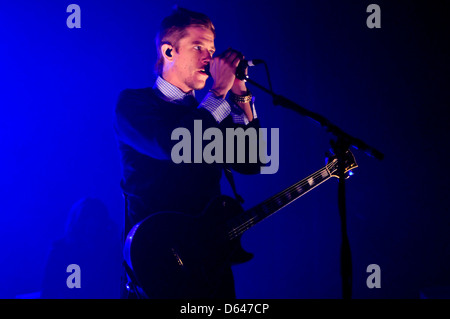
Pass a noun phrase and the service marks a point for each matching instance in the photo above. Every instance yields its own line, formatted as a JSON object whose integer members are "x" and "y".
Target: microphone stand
{"x": 339, "y": 146}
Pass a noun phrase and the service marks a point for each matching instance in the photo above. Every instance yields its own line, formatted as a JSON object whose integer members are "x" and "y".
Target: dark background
{"x": 388, "y": 87}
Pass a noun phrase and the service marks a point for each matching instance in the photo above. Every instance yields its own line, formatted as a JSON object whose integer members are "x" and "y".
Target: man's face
{"x": 195, "y": 50}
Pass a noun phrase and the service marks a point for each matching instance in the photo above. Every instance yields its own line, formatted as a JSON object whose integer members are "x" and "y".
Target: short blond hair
{"x": 173, "y": 29}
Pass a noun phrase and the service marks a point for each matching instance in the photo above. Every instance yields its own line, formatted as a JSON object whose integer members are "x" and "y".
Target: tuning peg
{"x": 328, "y": 155}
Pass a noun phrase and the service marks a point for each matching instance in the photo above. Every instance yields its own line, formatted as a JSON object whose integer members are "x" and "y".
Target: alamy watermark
{"x": 374, "y": 279}
{"x": 74, "y": 19}
{"x": 74, "y": 279}
{"x": 374, "y": 19}
{"x": 235, "y": 140}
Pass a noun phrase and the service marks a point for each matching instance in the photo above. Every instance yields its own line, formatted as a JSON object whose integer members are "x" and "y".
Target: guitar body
{"x": 177, "y": 256}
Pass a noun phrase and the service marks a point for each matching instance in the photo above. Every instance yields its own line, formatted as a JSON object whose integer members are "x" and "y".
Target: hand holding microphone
{"x": 229, "y": 71}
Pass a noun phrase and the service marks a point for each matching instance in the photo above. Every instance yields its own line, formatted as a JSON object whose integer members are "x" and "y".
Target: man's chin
{"x": 199, "y": 85}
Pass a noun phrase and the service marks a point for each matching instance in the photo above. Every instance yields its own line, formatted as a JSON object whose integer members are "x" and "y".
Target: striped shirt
{"x": 219, "y": 108}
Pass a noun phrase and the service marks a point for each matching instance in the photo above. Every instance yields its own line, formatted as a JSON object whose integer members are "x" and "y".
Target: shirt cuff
{"x": 219, "y": 108}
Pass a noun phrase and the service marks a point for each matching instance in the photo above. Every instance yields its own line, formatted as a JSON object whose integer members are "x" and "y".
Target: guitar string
{"x": 238, "y": 230}
{"x": 295, "y": 186}
{"x": 242, "y": 227}
{"x": 269, "y": 203}
{"x": 276, "y": 197}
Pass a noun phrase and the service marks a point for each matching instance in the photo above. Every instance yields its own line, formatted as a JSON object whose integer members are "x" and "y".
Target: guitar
{"x": 176, "y": 256}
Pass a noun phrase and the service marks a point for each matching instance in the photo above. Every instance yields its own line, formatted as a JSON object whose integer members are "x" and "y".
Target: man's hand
{"x": 223, "y": 72}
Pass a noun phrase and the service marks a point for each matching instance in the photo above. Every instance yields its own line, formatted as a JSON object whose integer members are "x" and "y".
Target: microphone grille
{"x": 255, "y": 62}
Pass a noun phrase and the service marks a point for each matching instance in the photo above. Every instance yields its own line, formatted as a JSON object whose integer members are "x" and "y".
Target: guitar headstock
{"x": 349, "y": 163}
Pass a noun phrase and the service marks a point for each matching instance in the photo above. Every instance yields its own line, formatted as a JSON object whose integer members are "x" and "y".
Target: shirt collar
{"x": 170, "y": 91}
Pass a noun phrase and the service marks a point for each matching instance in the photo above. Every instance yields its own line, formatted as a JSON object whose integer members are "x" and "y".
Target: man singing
{"x": 145, "y": 119}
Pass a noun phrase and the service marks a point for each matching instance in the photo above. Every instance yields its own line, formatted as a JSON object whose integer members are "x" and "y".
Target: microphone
{"x": 240, "y": 70}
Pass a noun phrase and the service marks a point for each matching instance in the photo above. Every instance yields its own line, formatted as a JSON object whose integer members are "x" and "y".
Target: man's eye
{"x": 197, "y": 47}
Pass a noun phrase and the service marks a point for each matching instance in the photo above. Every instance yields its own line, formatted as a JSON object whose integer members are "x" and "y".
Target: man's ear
{"x": 166, "y": 51}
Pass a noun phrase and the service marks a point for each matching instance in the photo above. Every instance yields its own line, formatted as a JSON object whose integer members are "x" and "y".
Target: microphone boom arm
{"x": 330, "y": 127}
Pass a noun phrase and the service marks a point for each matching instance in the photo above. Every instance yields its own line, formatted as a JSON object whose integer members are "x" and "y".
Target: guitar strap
{"x": 230, "y": 178}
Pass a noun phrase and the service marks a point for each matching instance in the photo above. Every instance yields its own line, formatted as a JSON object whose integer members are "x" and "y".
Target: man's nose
{"x": 207, "y": 57}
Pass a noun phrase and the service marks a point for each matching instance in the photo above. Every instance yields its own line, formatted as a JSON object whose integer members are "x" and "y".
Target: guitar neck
{"x": 239, "y": 224}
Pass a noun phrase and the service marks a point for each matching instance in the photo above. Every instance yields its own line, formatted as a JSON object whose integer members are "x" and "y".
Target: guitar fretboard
{"x": 239, "y": 224}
